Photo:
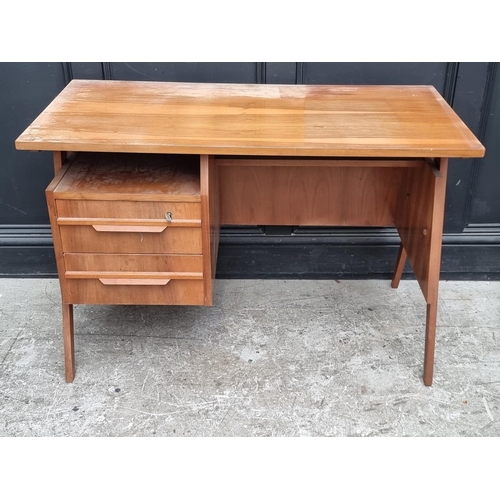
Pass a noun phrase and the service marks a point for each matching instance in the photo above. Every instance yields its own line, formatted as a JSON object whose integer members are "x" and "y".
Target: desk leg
{"x": 419, "y": 220}
{"x": 400, "y": 264}
{"x": 430, "y": 342}
{"x": 69, "y": 341}
{"x": 67, "y": 309}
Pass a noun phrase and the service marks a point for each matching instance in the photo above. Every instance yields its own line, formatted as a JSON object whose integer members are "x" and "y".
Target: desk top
{"x": 235, "y": 119}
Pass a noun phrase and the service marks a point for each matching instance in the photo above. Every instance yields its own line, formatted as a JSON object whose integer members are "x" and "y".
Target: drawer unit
{"x": 130, "y": 230}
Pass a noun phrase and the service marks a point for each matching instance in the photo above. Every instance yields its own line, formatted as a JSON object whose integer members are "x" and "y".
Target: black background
{"x": 472, "y": 219}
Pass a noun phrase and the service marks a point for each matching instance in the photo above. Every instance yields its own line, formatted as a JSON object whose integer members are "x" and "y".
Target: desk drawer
{"x": 128, "y": 209}
{"x": 106, "y": 238}
{"x": 132, "y": 263}
{"x": 147, "y": 291}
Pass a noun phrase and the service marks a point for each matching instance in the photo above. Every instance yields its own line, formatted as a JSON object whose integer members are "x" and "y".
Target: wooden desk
{"x": 156, "y": 168}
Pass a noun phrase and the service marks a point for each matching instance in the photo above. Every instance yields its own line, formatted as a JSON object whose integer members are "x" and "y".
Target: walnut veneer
{"x": 146, "y": 172}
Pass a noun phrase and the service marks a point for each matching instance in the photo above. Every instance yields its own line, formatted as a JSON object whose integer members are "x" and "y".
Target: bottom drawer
{"x": 145, "y": 292}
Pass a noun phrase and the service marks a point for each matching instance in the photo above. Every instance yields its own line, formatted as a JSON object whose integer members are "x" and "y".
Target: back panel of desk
{"x": 307, "y": 193}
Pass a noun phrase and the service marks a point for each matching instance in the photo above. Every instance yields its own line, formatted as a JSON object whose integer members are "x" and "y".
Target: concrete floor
{"x": 270, "y": 358}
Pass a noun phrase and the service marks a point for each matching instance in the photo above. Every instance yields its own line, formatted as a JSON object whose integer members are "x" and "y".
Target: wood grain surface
{"x": 132, "y": 177}
{"x": 419, "y": 221}
{"x": 309, "y": 196}
{"x": 298, "y": 120}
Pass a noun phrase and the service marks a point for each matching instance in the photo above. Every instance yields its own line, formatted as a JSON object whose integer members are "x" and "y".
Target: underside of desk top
{"x": 235, "y": 119}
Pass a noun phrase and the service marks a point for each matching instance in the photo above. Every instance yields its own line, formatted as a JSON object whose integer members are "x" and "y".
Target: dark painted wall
{"x": 472, "y": 220}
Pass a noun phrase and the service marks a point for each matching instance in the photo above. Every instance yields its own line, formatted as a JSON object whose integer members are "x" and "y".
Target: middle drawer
{"x": 106, "y": 238}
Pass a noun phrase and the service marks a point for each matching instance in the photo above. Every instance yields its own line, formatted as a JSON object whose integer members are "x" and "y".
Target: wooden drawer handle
{"x": 129, "y": 229}
{"x": 106, "y": 281}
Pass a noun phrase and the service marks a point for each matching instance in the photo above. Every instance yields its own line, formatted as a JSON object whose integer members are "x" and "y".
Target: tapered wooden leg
{"x": 419, "y": 217}
{"x": 400, "y": 264}
{"x": 430, "y": 342}
{"x": 69, "y": 341}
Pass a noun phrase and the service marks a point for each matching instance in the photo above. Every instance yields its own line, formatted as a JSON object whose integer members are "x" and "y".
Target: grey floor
{"x": 270, "y": 358}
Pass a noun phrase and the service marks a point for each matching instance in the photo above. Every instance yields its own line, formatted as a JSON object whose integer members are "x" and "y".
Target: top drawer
{"x": 89, "y": 209}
